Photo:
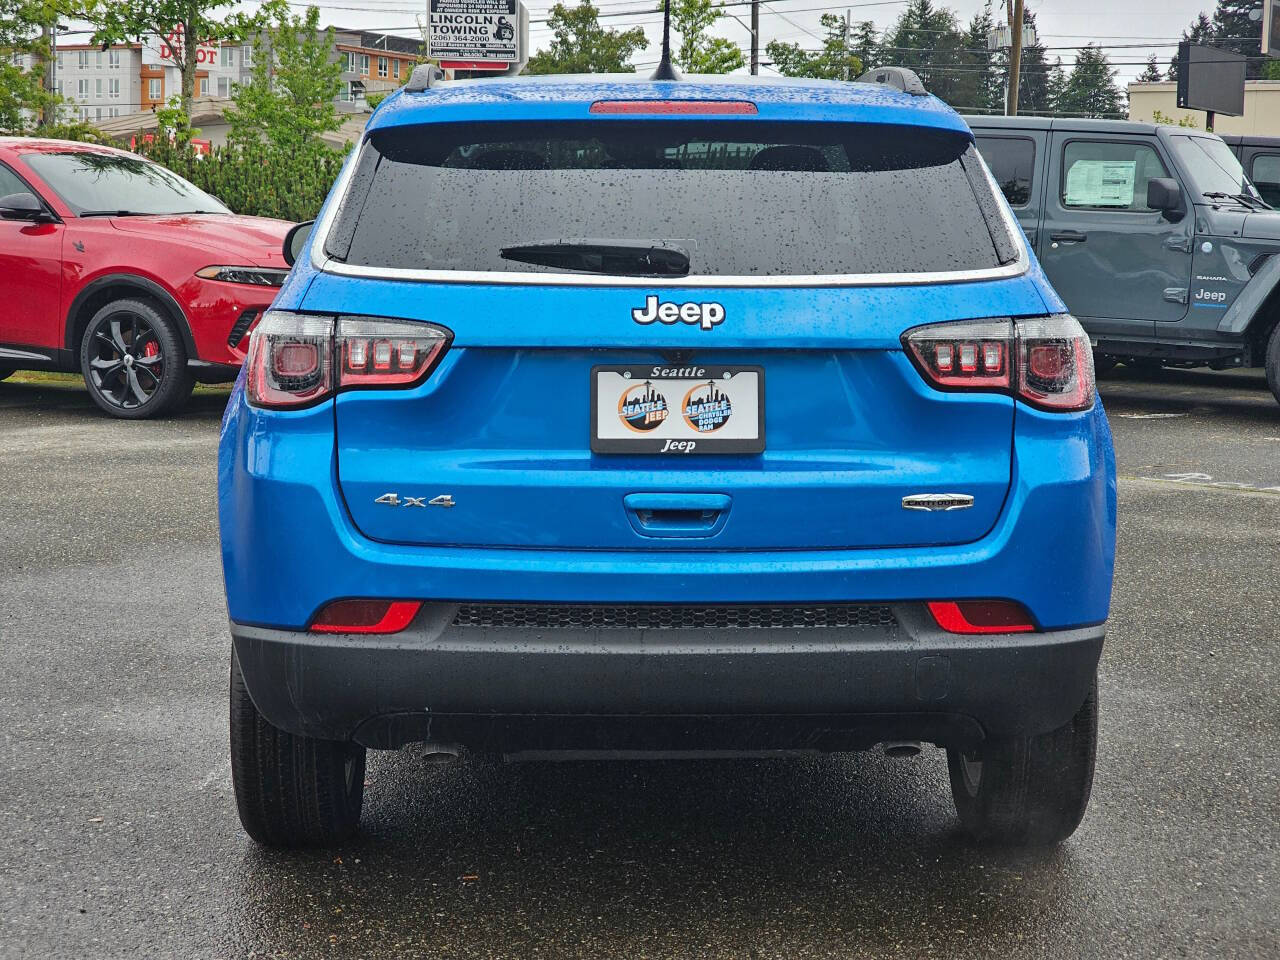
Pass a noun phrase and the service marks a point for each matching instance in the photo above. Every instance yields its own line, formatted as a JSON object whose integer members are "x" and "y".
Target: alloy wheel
{"x": 126, "y": 363}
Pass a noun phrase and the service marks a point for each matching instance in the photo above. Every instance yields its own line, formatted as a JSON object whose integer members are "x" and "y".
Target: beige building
{"x": 1261, "y": 116}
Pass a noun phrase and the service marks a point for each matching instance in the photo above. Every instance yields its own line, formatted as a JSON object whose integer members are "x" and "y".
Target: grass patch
{"x": 75, "y": 380}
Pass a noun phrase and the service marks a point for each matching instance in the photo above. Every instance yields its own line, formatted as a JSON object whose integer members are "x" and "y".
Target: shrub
{"x": 256, "y": 179}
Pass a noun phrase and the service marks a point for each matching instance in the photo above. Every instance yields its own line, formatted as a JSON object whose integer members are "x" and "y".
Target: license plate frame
{"x": 722, "y": 387}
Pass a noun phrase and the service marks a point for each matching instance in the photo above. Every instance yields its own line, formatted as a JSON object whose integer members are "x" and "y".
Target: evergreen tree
{"x": 1036, "y": 94}
{"x": 835, "y": 61}
{"x": 1090, "y": 90}
{"x": 983, "y": 86}
{"x": 580, "y": 45}
{"x": 699, "y": 51}
{"x": 927, "y": 39}
{"x": 865, "y": 44}
{"x": 1234, "y": 31}
{"x": 1151, "y": 74}
{"x": 1200, "y": 31}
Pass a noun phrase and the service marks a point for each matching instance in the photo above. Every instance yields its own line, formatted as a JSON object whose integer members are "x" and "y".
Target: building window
{"x": 155, "y": 88}
{"x": 59, "y": 62}
{"x": 115, "y": 111}
{"x": 395, "y": 69}
{"x": 382, "y": 66}
{"x": 82, "y": 59}
{"x": 224, "y": 87}
{"x": 82, "y": 89}
{"x": 227, "y": 56}
{"x": 364, "y": 64}
{"x": 97, "y": 113}
{"x": 347, "y": 93}
{"x": 113, "y": 88}
{"x": 246, "y": 55}
{"x": 97, "y": 59}
{"x": 58, "y": 87}
{"x": 113, "y": 59}
{"x": 97, "y": 88}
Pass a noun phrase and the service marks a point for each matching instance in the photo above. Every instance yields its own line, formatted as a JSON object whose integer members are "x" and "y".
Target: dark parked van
{"x": 1153, "y": 235}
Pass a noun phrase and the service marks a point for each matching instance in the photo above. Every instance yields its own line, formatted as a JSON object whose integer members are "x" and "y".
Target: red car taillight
{"x": 981, "y": 616}
{"x": 295, "y": 360}
{"x": 1044, "y": 361}
{"x": 365, "y": 616}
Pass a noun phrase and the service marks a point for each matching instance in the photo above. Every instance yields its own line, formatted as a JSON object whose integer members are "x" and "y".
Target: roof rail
{"x": 424, "y": 77}
{"x": 900, "y": 78}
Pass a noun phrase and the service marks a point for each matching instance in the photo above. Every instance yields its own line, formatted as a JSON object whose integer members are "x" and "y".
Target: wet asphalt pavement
{"x": 119, "y": 837}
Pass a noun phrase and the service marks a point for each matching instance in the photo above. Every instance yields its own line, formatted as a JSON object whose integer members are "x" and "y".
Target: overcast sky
{"x": 1130, "y": 30}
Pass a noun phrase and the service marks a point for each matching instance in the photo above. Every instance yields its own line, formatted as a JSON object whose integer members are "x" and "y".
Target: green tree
{"x": 1200, "y": 31}
{"x": 295, "y": 80}
{"x": 927, "y": 39}
{"x": 1151, "y": 73}
{"x": 1090, "y": 90}
{"x": 1039, "y": 82}
{"x": 184, "y": 25}
{"x": 580, "y": 45}
{"x": 835, "y": 61}
{"x": 981, "y": 86}
{"x": 700, "y": 52}
{"x": 865, "y": 44}
{"x": 23, "y": 98}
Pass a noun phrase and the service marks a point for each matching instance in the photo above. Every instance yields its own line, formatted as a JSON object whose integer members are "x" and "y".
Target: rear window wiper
{"x": 1253, "y": 202}
{"x": 635, "y": 258}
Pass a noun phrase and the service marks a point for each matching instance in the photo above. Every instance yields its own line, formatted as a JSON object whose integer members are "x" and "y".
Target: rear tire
{"x": 1028, "y": 791}
{"x": 1273, "y": 362}
{"x": 134, "y": 361}
{"x": 291, "y": 791}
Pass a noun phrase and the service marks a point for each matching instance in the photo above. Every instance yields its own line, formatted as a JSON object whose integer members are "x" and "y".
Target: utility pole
{"x": 1015, "y": 56}
{"x": 847, "y": 24}
{"x": 755, "y": 38}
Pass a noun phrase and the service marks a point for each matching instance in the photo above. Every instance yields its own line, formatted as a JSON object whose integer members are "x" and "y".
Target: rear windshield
{"x": 737, "y": 198}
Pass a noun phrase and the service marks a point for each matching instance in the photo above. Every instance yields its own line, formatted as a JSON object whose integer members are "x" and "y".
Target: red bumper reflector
{"x": 982, "y": 616}
{"x": 704, "y": 107}
{"x": 366, "y": 616}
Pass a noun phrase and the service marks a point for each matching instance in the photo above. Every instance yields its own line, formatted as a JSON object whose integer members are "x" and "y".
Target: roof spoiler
{"x": 900, "y": 78}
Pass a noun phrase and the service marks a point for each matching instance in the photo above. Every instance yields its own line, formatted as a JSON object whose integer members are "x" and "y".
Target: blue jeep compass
{"x": 607, "y": 416}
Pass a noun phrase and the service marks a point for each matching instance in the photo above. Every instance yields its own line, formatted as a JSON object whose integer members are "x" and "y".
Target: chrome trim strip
{"x": 9, "y": 353}
{"x": 326, "y": 264}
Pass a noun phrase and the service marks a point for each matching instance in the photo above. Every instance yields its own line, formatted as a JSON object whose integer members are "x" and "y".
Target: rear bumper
{"x": 523, "y": 688}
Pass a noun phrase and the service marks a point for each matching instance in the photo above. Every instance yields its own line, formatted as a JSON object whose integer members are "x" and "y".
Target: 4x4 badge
{"x": 395, "y": 500}
{"x": 704, "y": 315}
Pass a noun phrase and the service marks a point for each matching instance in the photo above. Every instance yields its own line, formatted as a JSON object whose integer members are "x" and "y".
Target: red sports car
{"x": 116, "y": 267}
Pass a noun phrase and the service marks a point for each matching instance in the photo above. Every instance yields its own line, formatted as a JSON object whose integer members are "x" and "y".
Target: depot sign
{"x": 164, "y": 51}
{"x": 478, "y": 34}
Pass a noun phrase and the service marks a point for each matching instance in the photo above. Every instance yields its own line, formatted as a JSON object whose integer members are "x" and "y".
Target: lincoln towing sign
{"x": 478, "y": 34}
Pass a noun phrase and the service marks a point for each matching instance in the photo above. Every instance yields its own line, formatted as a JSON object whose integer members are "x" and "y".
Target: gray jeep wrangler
{"x": 1153, "y": 235}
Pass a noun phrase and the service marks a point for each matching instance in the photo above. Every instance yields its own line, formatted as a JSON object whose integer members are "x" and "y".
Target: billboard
{"x": 1271, "y": 28}
{"x": 477, "y": 34}
{"x": 1210, "y": 79}
{"x": 163, "y": 51}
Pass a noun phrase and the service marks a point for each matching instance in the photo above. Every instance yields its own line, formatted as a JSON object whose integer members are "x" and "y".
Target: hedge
{"x": 258, "y": 180}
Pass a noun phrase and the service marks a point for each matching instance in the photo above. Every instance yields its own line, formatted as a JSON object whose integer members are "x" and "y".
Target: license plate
{"x": 678, "y": 410}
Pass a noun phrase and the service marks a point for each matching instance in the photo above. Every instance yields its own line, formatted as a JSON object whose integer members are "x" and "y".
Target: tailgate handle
{"x": 677, "y": 514}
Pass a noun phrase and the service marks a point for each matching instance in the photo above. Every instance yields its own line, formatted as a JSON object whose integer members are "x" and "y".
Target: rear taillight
{"x": 1044, "y": 361}
{"x": 295, "y": 360}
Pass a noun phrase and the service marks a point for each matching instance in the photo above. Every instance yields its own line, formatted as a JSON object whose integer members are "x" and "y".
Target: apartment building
{"x": 139, "y": 77}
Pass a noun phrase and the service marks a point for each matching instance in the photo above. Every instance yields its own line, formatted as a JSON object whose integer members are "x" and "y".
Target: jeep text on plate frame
{"x": 677, "y": 409}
